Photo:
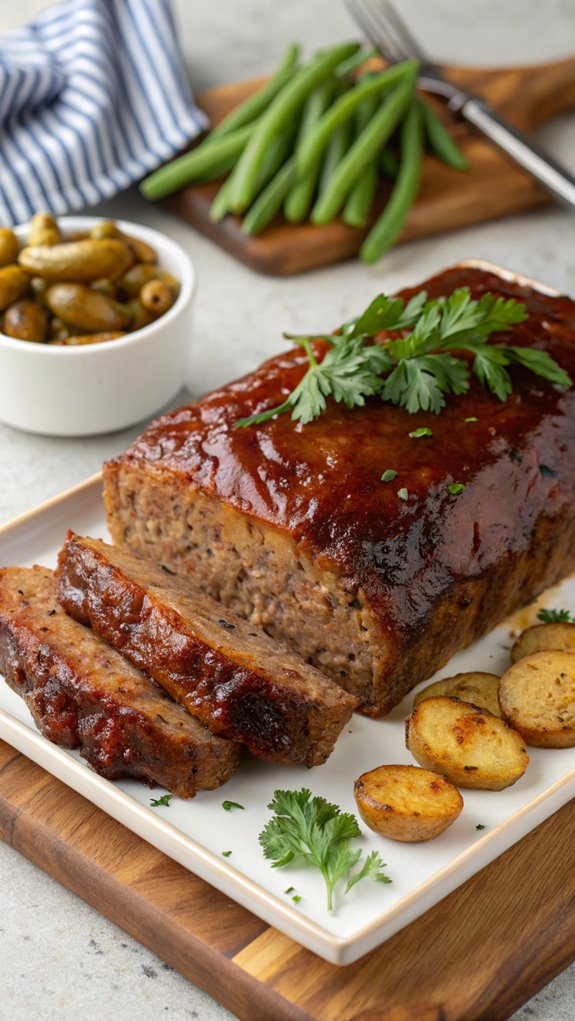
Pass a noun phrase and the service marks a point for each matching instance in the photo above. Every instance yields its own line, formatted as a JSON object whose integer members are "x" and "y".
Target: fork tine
{"x": 410, "y": 45}
{"x": 363, "y": 14}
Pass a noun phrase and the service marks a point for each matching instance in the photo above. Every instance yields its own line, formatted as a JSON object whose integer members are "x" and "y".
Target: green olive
{"x": 131, "y": 283}
{"x": 14, "y": 284}
{"x": 8, "y": 246}
{"x": 78, "y": 261}
{"x": 25, "y": 320}
{"x": 156, "y": 297}
{"x": 85, "y": 309}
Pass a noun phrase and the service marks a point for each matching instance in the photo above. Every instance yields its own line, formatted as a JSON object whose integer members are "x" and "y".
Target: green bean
{"x": 440, "y": 139}
{"x": 269, "y": 201}
{"x": 272, "y": 161}
{"x": 363, "y": 150}
{"x": 344, "y": 108}
{"x": 278, "y": 114}
{"x": 360, "y": 198}
{"x": 390, "y": 224}
{"x": 299, "y": 199}
{"x": 205, "y": 159}
{"x": 356, "y": 61}
{"x": 336, "y": 149}
{"x": 256, "y": 104}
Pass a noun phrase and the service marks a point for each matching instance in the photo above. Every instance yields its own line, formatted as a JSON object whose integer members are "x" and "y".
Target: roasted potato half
{"x": 544, "y": 638}
{"x": 406, "y": 803}
{"x": 537, "y": 696}
{"x": 468, "y": 745}
{"x": 477, "y": 687}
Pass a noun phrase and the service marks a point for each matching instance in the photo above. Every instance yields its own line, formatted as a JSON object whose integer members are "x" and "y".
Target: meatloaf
{"x": 235, "y": 679}
{"x": 83, "y": 694}
{"x": 375, "y": 583}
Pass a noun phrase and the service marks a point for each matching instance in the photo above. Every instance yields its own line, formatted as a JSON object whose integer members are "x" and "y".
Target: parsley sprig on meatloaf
{"x": 416, "y": 369}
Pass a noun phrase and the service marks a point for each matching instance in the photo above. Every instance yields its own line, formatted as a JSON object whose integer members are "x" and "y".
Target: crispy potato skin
{"x": 406, "y": 803}
{"x": 476, "y": 687}
{"x": 468, "y": 745}
{"x": 537, "y": 697}
{"x": 544, "y": 638}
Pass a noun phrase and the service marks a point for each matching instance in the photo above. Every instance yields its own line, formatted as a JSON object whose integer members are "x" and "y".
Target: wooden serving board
{"x": 479, "y": 954}
{"x": 491, "y": 188}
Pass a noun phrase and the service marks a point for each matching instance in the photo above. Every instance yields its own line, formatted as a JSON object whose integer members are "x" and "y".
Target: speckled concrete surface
{"x": 59, "y": 960}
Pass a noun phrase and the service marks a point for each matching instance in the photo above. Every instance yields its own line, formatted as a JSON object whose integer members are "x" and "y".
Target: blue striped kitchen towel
{"x": 93, "y": 96}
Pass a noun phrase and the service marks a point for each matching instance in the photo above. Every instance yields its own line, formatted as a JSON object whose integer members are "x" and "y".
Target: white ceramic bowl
{"x": 98, "y": 388}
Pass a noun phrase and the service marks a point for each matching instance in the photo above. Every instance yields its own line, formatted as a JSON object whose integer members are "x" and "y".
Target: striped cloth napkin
{"x": 93, "y": 96}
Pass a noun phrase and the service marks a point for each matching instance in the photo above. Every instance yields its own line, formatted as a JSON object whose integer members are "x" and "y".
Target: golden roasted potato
{"x": 537, "y": 696}
{"x": 468, "y": 745}
{"x": 406, "y": 803}
{"x": 477, "y": 687}
{"x": 25, "y": 320}
{"x": 544, "y": 638}
{"x": 86, "y": 309}
{"x": 78, "y": 261}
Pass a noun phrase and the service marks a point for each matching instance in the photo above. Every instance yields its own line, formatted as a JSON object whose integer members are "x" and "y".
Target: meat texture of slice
{"x": 83, "y": 694}
{"x": 376, "y": 583}
{"x": 234, "y": 678}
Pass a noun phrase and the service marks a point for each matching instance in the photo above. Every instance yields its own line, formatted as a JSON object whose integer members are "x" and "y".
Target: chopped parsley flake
{"x": 417, "y": 434}
{"x": 388, "y": 475}
{"x": 163, "y": 801}
{"x": 228, "y": 805}
{"x": 456, "y": 488}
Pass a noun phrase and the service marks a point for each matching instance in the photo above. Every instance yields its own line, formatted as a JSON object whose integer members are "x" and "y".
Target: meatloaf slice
{"x": 83, "y": 694}
{"x": 234, "y": 678}
{"x": 376, "y": 583}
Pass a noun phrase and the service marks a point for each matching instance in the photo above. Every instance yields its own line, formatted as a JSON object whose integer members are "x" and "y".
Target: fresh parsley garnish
{"x": 388, "y": 475}
{"x": 480, "y": 826}
{"x": 226, "y": 854}
{"x": 417, "y": 369}
{"x": 556, "y": 617}
{"x": 403, "y": 493}
{"x": 228, "y": 805}
{"x": 315, "y": 831}
{"x": 164, "y": 800}
{"x": 456, "y": 488}
{"x": 472, "y": 418}
{"x": 296, "y": 898}
{"x": 418, "y": 434}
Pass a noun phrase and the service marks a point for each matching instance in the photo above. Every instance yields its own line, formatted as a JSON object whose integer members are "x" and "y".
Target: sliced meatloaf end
{"x": 233, "y": 677}
{"x": 83, "y": 694}
{"x": 293, "y": 528}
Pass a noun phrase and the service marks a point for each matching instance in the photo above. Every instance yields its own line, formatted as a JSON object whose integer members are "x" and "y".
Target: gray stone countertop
{"x": 60, "y": 960}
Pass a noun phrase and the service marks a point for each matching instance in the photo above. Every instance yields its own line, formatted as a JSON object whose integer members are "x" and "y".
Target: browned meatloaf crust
{"x": 83, "y": 694}
{"x": 292, "y": 527}
{"x": 235, "y": 679}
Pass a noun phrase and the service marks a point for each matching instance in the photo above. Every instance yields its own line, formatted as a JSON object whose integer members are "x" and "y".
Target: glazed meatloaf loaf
{"x": 83, "y": 694}
{"x": 376, "y": 583}
{"x": 235, "y": 679}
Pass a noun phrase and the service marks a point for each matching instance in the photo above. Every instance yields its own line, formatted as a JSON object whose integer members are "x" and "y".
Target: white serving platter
{"x": 196, "y": 833}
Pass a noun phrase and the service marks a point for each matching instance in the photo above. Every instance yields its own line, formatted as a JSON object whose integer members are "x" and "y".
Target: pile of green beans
{"x": 314, "y": 142}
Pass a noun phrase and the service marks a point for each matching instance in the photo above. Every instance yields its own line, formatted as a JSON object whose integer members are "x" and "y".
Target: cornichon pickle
{"x": 78, "y": 261}
{"x": 88, "y": 338}
{"x": 142, "y": 251}
{"x": 14, "y": 284}
{"x": 8, "y": 246}
{"x": 25, "y": 320}
{"x": 157, "y": 297}
{"x": 131, "y": 283}
{"x": 85, "y": 309}
{"x": 43, "y": 230}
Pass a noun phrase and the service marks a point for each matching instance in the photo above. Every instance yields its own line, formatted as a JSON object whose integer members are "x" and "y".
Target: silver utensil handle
{"x": 551, "y": 175}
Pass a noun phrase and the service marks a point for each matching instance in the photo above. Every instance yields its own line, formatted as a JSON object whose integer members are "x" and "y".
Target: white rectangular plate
{"x": 195, "y": 833}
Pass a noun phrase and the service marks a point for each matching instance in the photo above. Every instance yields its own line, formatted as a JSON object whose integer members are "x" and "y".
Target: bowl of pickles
{"x": 94, "y": 321}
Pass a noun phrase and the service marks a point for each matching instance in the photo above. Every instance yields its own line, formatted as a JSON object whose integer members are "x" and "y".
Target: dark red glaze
{"x": 321, "y": 482}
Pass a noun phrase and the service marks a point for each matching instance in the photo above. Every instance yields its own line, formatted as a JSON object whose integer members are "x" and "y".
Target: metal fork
{"x": 383, "y": 26}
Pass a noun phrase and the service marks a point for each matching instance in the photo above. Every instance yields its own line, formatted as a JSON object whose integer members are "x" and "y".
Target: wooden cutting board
{"x": 491, "y": 188}
{"x": 476, "y": 956}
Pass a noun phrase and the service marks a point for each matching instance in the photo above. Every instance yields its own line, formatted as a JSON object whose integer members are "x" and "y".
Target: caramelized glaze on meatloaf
{"x": 235, "y": 679}
{"x": 292, "y": 527}
{"x": 83, "y": 694}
